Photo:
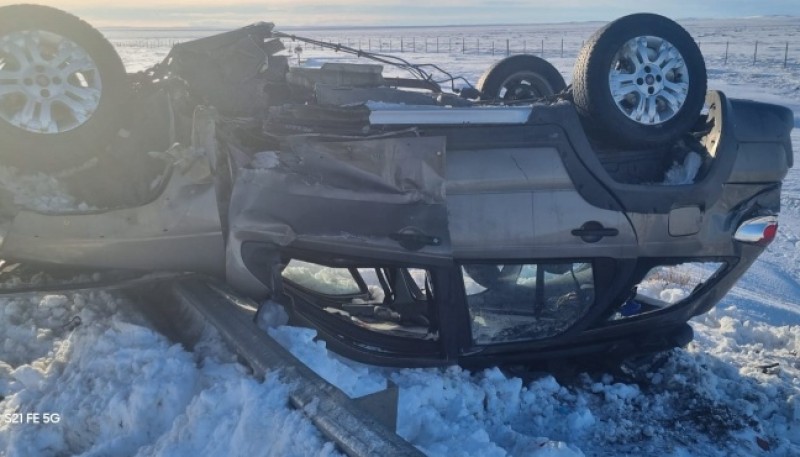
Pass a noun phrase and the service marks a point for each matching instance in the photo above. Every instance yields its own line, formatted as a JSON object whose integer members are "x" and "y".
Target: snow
{"x": 121, "y": 388}
{"x": 684, "y": 173}
{"x": 38, "y": 192}
{"x": 266, "y": 160}
{"x": 714, "y": 398}
{"x": 271, "y": 315}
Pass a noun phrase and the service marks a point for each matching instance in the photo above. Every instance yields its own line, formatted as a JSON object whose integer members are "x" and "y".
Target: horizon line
{"x": 368, "y": 27}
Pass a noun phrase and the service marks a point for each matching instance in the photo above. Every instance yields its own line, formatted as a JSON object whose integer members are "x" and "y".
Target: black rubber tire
{"x": 490, "y": 276}
{"x": 592, "y": 90}
{"x": 32, "y": 151}
{"x": 544, "y": 79}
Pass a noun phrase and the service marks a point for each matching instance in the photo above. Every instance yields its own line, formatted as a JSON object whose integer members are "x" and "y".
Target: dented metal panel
{"x": 379, "y": 195}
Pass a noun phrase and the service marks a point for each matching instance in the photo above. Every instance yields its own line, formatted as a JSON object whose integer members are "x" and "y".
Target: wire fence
{"x": 785, "y": 53}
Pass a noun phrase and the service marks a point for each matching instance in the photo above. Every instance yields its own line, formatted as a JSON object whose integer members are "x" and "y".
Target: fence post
{"x": 786, "y": 55}
{"x": 463, "y": 45}
{"x": 755, "y": 53}
{"x": 449, "y": 45}
{"x": 414, "y": 43}
{"x": 437, "y": 45}
{"x": 426, "y": 45}
{"x": 478, "y": 45}
{"x": 508, "y": 47}
{"x": 542, "y": 49}
{"x": 492, "y": 47}
{"x": 562, "y": 47}
{"x": 524, "y": 46}
{"x": 727, "y": 43}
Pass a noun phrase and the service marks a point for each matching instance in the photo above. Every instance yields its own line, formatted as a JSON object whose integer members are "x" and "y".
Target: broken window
{"x": 321, "y": 279}
{"x": 667, "y": 285}
{"x": 513, "y": 302}
{"x": 396, "y": 301}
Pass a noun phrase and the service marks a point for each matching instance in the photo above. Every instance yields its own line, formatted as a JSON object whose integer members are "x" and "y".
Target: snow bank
{"x": 120, "y": 388}
{"x": 714, "y": 398}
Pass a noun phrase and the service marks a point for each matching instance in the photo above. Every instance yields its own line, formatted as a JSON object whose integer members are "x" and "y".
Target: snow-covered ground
{"x": 118, "y": 388}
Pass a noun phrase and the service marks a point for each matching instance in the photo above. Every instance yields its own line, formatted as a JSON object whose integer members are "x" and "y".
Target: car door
{"x": 521, "y": 203}
{"x": 380, "y": 198}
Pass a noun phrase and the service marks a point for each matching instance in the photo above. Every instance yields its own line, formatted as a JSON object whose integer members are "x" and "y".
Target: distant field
{"x": 764, "y": 41}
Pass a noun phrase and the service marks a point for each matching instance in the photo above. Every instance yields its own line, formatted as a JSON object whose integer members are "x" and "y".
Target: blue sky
{"x": 399, "y": 12}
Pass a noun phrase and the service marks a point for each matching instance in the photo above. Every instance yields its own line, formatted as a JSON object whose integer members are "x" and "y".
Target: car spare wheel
{"x": 62, "y": 86}
{"x": 639, "y": 81}
{"x": 520, "y": 77}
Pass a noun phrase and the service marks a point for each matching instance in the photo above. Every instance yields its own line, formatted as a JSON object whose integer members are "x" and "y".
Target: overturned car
{"x": 515, "y": 220}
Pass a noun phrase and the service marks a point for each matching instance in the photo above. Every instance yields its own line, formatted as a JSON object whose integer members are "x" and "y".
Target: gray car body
{"x": 432, "y": 187}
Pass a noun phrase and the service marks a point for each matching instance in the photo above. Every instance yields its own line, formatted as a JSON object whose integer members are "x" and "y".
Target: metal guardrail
{"x": 183, "y": 309}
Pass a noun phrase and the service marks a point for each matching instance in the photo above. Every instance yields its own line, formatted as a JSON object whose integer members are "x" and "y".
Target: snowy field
{"x": 109, "y": 385}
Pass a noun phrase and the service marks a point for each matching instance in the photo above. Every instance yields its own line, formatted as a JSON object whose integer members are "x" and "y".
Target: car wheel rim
{"x": 522, "y": 86}
{"x": 48, "y": 83}
{"x": 649, "y": 80}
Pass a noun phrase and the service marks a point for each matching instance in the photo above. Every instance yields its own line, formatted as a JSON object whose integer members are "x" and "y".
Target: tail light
{"x": 760, "y": 230}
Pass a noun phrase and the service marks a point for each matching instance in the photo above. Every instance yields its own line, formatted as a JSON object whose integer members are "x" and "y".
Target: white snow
{"x": 120, "y": 388}
{"x": 271, "y": 315}
{"x": 38, "y": 191}
{"x": 265, "y": 159}
{"x": 684, "y": 173}
{"x": 713, "y": 398}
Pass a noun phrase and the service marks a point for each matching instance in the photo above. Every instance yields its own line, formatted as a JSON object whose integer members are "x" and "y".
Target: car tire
{"x": 520, "y": 77}
{"x": 491, "y": 276}
{"x": 62, "y": 89}
{"x": 640, "y": 81}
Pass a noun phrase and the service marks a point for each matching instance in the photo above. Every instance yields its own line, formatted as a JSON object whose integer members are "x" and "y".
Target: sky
{"x": 234, "y": 13}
